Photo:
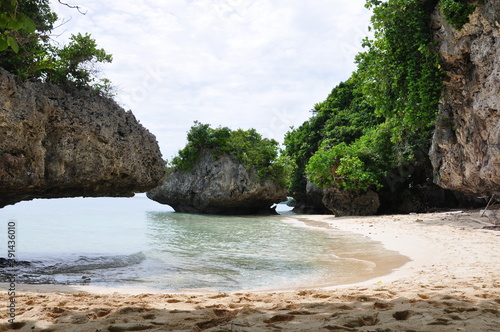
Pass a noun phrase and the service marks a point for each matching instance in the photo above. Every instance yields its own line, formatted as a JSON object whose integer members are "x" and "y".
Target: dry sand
{"x": 451, "y": 284}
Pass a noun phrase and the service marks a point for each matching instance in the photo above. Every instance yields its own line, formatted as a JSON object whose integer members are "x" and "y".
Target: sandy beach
{"x": 452, "y": 283}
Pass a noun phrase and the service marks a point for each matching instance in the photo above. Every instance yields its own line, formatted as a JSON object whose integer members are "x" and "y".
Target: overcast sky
{"x": 259, "y": 64}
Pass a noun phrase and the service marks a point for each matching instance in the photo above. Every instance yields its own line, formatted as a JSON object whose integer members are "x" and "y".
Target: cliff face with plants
{"x": 368, "y": 143}
{"x": 218, "y": 186}
{"x": 466, "y": 144}
{"x": 55, "y": 143}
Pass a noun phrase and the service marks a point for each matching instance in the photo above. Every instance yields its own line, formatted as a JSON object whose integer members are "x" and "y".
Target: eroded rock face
{"x": 350, "y": 202}
{"x": 465, "y": 151}
{"x": 312, "y": 202}
{"x": 218, "y": 186}
{"x": 58, "y": 144}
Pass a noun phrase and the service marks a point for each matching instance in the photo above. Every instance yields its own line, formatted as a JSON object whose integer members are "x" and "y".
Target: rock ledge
{"x": 55, "y": 143}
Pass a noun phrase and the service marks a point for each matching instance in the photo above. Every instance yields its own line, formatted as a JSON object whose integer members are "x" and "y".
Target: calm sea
{"x": 138, "y": 242}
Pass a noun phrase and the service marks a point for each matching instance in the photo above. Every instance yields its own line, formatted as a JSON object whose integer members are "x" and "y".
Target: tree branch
{"x": 73, "y": 7}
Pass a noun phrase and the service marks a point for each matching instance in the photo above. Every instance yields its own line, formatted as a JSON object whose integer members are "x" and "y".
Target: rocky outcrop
{"x": 312, "y": 201}
{"x": 465, "y": 150}
{"x": 55, "y": 143}
{"x": 218, "y": 186}
{"x": 350, "y": 202}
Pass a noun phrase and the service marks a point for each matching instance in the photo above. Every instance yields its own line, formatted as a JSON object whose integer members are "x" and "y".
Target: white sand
{"x": 451, "y": 284}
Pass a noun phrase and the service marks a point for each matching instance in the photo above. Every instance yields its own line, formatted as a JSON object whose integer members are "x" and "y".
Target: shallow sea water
{"x": 137, "y": 242}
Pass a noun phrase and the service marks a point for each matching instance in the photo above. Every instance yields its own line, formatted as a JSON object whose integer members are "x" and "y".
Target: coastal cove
{"x": 134, "y": 242}
{"x": 385, "y": 138}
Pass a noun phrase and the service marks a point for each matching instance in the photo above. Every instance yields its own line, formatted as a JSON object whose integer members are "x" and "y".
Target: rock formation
{"x": 218, "y": 186}
{"x": 350, "y": 202}
{"x": 465, "y": 151}
{"x": 312, "y": 201}
{"x": 55, "y": 143}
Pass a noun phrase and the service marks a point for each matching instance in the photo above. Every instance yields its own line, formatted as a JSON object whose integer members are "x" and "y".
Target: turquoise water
{"x": 135, "y": 241}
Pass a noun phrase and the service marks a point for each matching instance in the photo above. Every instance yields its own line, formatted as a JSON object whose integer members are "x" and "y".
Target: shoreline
{"x": 452, "y": 282}
{"x": 374, "y": 262}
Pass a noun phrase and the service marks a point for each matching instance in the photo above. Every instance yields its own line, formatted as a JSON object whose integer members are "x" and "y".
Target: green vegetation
{"x": 457, "y": 12}
{"x": 27, "y": 51}
{"x": 13, "y": 24}
{"x": 400, "y": 70}
{"x": 360, "y": 165}
{"x": 342, "y": 118}
{"x": 374, "y": 130}
{"x": 246, "y": 146}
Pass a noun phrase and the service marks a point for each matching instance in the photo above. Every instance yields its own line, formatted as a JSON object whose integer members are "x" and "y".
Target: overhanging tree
{"x": 28, "y": 51}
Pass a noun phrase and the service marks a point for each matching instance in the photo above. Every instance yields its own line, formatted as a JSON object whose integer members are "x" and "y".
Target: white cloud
{"x": 237, "y": 63}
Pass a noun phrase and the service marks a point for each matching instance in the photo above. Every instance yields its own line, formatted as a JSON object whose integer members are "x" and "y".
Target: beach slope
{"x": 452, "y": 283}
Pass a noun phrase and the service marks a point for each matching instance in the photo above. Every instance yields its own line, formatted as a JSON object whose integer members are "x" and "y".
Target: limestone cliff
{"x": 55, "y": 143}
{"x": 465, "y": 151}
{"x": 218, "y": 186}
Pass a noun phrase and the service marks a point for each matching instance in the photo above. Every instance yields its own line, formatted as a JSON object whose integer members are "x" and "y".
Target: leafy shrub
{"x": 343, "y": 117}
{"x": 457, "y": 12}
{"x": 361, "y": 165}
{"x": 74, "y": 62}
{"x": 246, "y": 146}
{"x": 401, "y": 69}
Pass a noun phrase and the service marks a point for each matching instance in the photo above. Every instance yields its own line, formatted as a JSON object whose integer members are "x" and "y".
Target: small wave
{"x": 86, "y": 264}
{"x": 52, "y": 270}
{"x": 6, "y": 263}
